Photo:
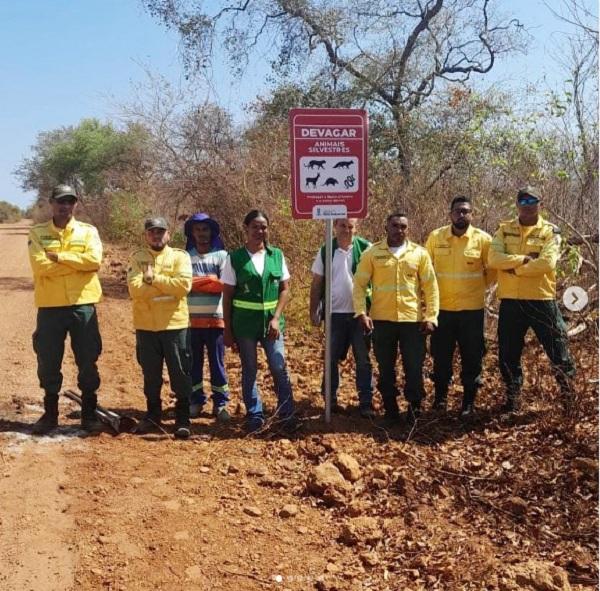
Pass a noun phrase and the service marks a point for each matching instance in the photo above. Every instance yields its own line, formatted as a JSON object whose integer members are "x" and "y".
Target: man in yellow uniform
{"x": 65, "y": 256}
{"x": 401, "y": 274}
{"x": 459, "y": 253}
{"x": 525, "y": 252}
{"x": 159, "y": 278}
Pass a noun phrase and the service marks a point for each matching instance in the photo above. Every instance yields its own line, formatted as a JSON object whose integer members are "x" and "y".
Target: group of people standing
{"x": 186, "y": 303}
{"x": 197, "y": 301}
{"x": 394, "y": 293}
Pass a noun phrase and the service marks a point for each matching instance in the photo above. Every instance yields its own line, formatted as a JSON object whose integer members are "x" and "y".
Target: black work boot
{"x": 89, "y": 421}
{"x": 151, "y": 423}
{"x": 49, "y": 420}
{"x": 440, "y": 402}
{"x": 467, "y": 409}
{"x": 513, "y": 401}
{"x": 182, "y": 418}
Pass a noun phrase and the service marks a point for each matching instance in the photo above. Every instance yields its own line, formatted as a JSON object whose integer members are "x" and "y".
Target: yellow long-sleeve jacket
{"x": 398, "y": 284}
{"x": 460, "y": 264}
{"x": 73, "y": 280}
{"x": 535, "y": 280}
{"x": 161, "y": 305}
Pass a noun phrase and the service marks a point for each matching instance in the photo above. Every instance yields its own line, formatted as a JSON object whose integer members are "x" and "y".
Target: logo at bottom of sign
{"x": 329, "y": 212}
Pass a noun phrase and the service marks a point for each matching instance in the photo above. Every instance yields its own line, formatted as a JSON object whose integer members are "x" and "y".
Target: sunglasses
{"x": 69, "y": 200}
{"x": 462, "y": 211}
{"x": 528, "y": 200}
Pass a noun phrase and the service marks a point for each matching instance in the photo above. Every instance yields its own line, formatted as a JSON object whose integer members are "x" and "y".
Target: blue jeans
{"x": 276, "y": 361}
{"x": 347, "y": 332}
{"x": 212, "y": 339}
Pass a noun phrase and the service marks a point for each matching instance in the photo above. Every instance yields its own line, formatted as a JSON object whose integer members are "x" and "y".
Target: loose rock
{"x": 252, "y": 511}
{"x": 348, "y": 466}
{"x": 516, "y": 505}
{"x": 327, "y": 476}
{"x": 587, "y": 465}
{"x": 359, "y": 530}
{"x": 535, "y": 575}
{"x": 288, "y": 511}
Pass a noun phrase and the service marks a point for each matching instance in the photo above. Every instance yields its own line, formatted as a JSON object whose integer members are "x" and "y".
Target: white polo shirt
{"x": 341, "y": 279}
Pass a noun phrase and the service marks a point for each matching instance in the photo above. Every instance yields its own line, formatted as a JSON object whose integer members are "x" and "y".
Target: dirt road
{"x": 496, "y": 505}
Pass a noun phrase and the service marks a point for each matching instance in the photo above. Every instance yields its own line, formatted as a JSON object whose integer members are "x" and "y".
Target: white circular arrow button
{"x": 575, "y": 298}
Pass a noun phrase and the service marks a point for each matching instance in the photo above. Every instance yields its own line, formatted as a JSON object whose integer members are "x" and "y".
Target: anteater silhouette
{"x": 330, "y": 181}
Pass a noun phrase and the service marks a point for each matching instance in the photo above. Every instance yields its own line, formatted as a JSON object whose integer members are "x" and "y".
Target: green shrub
{"x": 9, "y": 213}
{"x": 126, "y": 213}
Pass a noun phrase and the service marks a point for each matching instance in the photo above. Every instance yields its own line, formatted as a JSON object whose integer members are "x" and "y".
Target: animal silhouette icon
{"x": 312, "y": 180}
{"x": 344, "y": 164}
{"x": 330, "y": 182}
{"x": 312, "y": 163}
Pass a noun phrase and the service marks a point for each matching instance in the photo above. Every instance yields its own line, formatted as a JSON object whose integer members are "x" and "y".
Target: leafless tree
{"x": 190, "y": 144}
{"x": 394, "y": 52}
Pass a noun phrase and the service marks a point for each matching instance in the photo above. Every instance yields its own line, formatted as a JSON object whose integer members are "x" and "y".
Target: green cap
{"x": 151, "y": 223}
{"x": 63, "y": 191}
{"x": 530, "y": 191}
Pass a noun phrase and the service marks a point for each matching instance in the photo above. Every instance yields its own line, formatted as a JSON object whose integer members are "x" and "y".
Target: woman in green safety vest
{"x": 255, "y": 291}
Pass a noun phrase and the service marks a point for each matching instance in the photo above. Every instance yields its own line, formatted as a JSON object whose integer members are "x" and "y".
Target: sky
{"x": 65, "y": 60}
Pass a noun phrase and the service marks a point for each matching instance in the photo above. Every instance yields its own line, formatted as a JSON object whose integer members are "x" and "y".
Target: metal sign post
{"x": 328, "y": 163}
{"x": 327, "y": 317}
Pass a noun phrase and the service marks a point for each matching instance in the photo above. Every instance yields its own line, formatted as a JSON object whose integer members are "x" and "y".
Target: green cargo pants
{"x": 544, "y": 317}
{"x": 173, "y": 348}
{"x": 53, "y": 325}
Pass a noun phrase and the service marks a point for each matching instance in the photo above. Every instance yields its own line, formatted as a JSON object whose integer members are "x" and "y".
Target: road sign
{"x": 328, "y": 153}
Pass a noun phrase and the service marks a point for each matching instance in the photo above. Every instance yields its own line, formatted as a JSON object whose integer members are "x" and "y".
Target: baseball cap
{"x": 529, "y": 191}
{"x": 151, "y": 223}
{"x": 61, "y": 191}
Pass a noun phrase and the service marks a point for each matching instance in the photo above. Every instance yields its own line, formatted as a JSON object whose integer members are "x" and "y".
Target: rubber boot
{"x": 49, "y": 420}
{"x": 89, "y": 421}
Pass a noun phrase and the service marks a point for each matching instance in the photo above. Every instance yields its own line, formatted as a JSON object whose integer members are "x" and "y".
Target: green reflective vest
{"x": 255, "y": 297}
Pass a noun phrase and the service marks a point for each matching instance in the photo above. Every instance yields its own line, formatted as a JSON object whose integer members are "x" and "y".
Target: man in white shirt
{"x": 346, "y": 331}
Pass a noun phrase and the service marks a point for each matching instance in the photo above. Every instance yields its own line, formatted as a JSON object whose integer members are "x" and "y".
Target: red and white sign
{"x": 328, "y": 152}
